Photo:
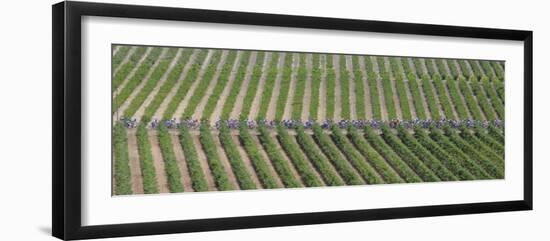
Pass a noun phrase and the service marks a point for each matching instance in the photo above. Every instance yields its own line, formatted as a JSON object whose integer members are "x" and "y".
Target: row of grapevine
{"x": 198, "y": 178}
{"x": 398, "y": 164}
{"x": 419, "y": 70}
{"x": 359, "y": 89}
{"x": 214, "y": 161}
{"x": 284, "y": 86}
{"x": 190, "y": 78}
{"x": 122, "y": 173}
{"x": 238, "y": 82}
{"x": 237, "y": 164}
{"x": 355, "y": 158}
{"x": 450, "y": 161}
{"x": 279, "y": 161}
{"x": 170, "y": 163}
{"x": 330, "y": 176}
{"x": 401, "y": 90}
{"x": 200, "y": 92}
{"x": 459, "y": 106}
{"x": 493, "y": 96}
{"x": 482, "y": 99}
{"x": 259, "y": 163}
{"x": 298, "y": 159}
{"x": 421, "y": 168}
{"x": 250, "y": 91}
{"x": 223, "y": 79}
{"x": 478, "y": 73}
{"x": 430, "y": 67}
{"x": 466, "y": 71}
{"x": 299, "y": 89}
{"x": 443, "y": 97}
{"x": 442, "y": 69}
{"x": 166, "y": 87}
{"x": 430, "y": 97}
{"x": 426, "y": 156}
{"x": 388, "y": 91}
{"x": 483, "y": 148}
{"x": 315, "y": 86}
{"x": 473, "y": 107}
{"x": 417, "y": 97}
{"x": 373, "y": 89}
{"x": 127, "y": 67}
{"x": 154, "y": 78}
{"x": 482, "y": 134}
{"x": 344, "y": 89}
{"x": 137, "y": 78}
{"x": 330, "y": 87}
{"x": 119, "y": 56}
{"x": 148, "y": 172}
{"x": 268, "y": 87}
{"x": 451, "y": 63}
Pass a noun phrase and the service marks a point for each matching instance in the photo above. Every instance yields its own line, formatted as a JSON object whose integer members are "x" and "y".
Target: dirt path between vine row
{"x": 115, "y": 50}
{"x": 322, "y": 112}
{"x": 155, "y": 90}
{"x": 158, "y": 162}
{"x": 135, "y": 166}
{"x": 287, "y": 113}
{"x": 380, "y": 89}
{"x": 351, "y": 80}
{"x": 412, "y": 66}
{"x": 162, "y": 107}
{"x": 247, "y": 163}
{"x": 270, "y": 115}
{"x": 289, "y": 162}
{"x": 397, "y": 103}
{"x": 408, "y": 92}
{"x": 366, "y": 89}
{"x": 338, "y": 89}
{"x": 132, "y": 72}
{"x": 185, "y": 101}
{"x": 213, "y": 82}
{"x": 270, "y": 166}
{"x": 125, "y": 60}
{"x": 216, "y": 114}
{"x": 308, "y": 90}
{"x": 255, "y": 107}
{"x": 136, "y": 91}
{"x": 182, "y": 164}
{"x": 225, "y": 162}
{"x": 204, "y": 163}
{"x": 424, "y": 66}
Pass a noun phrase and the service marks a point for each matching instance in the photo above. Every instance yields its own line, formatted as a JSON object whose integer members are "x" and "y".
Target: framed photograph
{"x": 171, "y": 120}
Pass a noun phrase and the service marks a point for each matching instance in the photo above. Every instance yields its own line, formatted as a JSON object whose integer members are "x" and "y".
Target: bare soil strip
{"x": 115, "y": 49}
{"x": 257, "y": 96}
{"x": 200, "y": 107}
{"x": 159, "y": 163}
{"x": 307, "y": 93}
{"x": 247, "y": 163}
{"x": 368, "y": 104}
{"x": 270, "y": 115}
{"x": 154, "y": 92}
{"x": 287, "y": 114}
{"x": 225, "y": 162}
{"x": 321, "y": 114}
{"x": 204, "y": 164}
{"x": 181, "y": 107}
{"x": 182, "y": 164}
{"x": 411, "y": 66}
{"x": 338, "y": 89}
{"x": 135, "y": 166}
{"x": 125, "y": 60}
{"x": 379, "y": 86}
{"x": 132, "y": 72}
{"x": 272, "y": 170}
{"x": 138, "y": 88}
{"x": 244, "y": 86}
{"x": 396, "y": 101}
{"x": 352, "y": 97}
{"x": 160, "y": 111}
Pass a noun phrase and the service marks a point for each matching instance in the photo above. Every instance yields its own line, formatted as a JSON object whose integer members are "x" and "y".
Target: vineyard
{"x": 192, "y": 120}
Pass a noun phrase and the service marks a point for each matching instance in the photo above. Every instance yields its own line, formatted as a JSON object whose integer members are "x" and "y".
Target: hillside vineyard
{"x": 195, "y": 119}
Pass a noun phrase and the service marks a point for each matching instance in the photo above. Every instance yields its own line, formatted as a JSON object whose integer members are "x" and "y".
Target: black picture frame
{"x": 66, "y": 166}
